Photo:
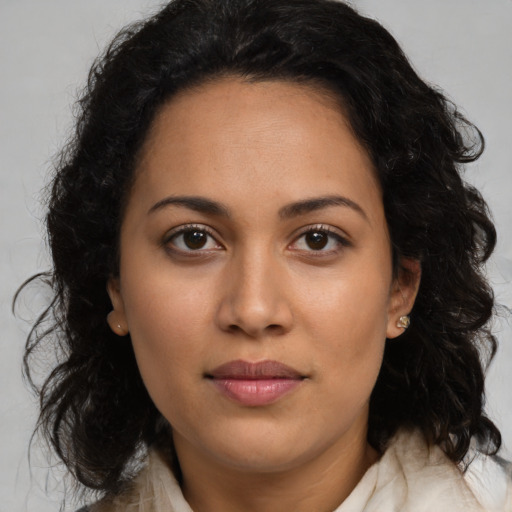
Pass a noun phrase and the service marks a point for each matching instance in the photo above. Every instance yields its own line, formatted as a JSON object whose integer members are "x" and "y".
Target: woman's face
{"x": 256, "y": 275}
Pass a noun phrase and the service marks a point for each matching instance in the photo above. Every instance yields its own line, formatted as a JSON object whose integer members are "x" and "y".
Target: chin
{"x": 263, "y": 448}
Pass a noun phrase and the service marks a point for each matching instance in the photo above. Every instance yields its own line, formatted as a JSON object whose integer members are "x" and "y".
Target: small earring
{"x": 404, "y": 321}
{"x": 115, "y": 324}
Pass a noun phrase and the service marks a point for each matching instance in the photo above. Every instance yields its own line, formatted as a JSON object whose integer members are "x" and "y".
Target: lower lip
{"x": 254, "y": 392}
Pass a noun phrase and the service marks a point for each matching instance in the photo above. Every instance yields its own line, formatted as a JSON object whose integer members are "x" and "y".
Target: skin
{"x": 258, "y": 289}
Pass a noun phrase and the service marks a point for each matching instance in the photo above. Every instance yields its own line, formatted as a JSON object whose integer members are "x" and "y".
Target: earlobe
{"x": 117, "y": 323}
{"x": 403, "y": 294}
{"x": 116, "y": 319}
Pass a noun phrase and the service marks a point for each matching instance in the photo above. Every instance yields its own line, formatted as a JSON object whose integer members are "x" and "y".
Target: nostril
{"x": 272, "y": 329}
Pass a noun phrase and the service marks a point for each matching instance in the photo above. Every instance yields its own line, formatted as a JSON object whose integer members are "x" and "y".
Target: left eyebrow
{"x": 319, "y": 203}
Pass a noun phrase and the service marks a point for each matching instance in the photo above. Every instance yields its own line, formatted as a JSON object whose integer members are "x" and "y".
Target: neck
{"x": 321, "y": 483}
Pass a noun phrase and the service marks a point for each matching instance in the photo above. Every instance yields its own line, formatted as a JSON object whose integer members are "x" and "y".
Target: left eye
{"x": 319, "y": 240}
{"x": 191, "y": 239}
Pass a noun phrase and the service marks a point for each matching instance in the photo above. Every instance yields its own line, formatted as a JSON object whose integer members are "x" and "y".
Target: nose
{"x": 254, "y": 299}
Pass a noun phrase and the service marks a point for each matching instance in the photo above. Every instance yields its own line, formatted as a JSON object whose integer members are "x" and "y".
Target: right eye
{"x": 191, "y": 239}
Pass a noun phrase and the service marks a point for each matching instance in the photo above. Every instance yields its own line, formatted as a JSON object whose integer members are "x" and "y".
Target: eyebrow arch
{"x": 318, "y": 203}
{"x": 196, "y": 203}
{"x": 207, "y": 206}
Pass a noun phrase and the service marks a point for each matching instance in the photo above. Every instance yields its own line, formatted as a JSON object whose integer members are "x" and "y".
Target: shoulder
{"x": 154, "y": 489}
{"x": 427, "y": 477}
{"x": 490, "y": 479}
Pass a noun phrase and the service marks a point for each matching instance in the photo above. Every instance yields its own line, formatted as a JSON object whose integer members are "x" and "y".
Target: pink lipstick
{"x": 255, "y": 384}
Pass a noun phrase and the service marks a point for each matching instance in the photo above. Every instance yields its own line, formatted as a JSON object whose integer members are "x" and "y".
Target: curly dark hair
{"x": 94, "y": 407}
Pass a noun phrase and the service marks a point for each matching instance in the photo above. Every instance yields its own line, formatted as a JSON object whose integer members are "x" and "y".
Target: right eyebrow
{"x": 196, "y": 203}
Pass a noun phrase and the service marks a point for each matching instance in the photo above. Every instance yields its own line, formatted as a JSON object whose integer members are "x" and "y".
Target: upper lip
{"x": 268, "y": 369}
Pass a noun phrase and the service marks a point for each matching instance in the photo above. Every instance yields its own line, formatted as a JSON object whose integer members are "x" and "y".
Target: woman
{"x": 267, "y": 273}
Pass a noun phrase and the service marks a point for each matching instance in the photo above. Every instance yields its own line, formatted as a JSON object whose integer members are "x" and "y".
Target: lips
{"x": 255, "y": 384}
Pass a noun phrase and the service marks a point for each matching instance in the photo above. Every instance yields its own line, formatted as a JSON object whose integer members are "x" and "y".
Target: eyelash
{"x": 188, "y": 228}
{"x": 326, "y": 230}
{"x": 201, "y": 228}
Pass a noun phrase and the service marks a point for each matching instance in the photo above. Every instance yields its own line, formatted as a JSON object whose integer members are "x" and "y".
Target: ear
{"x": 116, "y": 318}
{"x": 403, "y": 294}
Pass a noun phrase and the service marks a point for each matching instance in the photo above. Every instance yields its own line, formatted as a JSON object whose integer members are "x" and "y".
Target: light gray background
{"x": 464, "y": 46}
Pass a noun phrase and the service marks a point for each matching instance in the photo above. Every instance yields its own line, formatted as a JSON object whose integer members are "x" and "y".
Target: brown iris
{"x": 195, "y": 239}
{"x": 316, "y": 240}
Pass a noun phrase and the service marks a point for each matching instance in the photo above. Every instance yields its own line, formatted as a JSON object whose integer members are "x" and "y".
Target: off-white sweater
{"x": 409, "y": 477}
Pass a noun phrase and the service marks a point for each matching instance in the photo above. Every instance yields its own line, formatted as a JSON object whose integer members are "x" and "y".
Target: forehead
{"x": 259, "y": 139}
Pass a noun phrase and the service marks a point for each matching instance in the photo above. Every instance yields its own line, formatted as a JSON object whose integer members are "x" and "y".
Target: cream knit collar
{"x": 410, "y": 477}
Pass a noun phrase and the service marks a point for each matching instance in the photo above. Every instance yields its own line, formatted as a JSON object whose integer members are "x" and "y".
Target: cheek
{"x": 162, "y": 303}
{"x": 348, "y": 321}
{"x": 348, "y": 306}
{"x": 168, "y": 321}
